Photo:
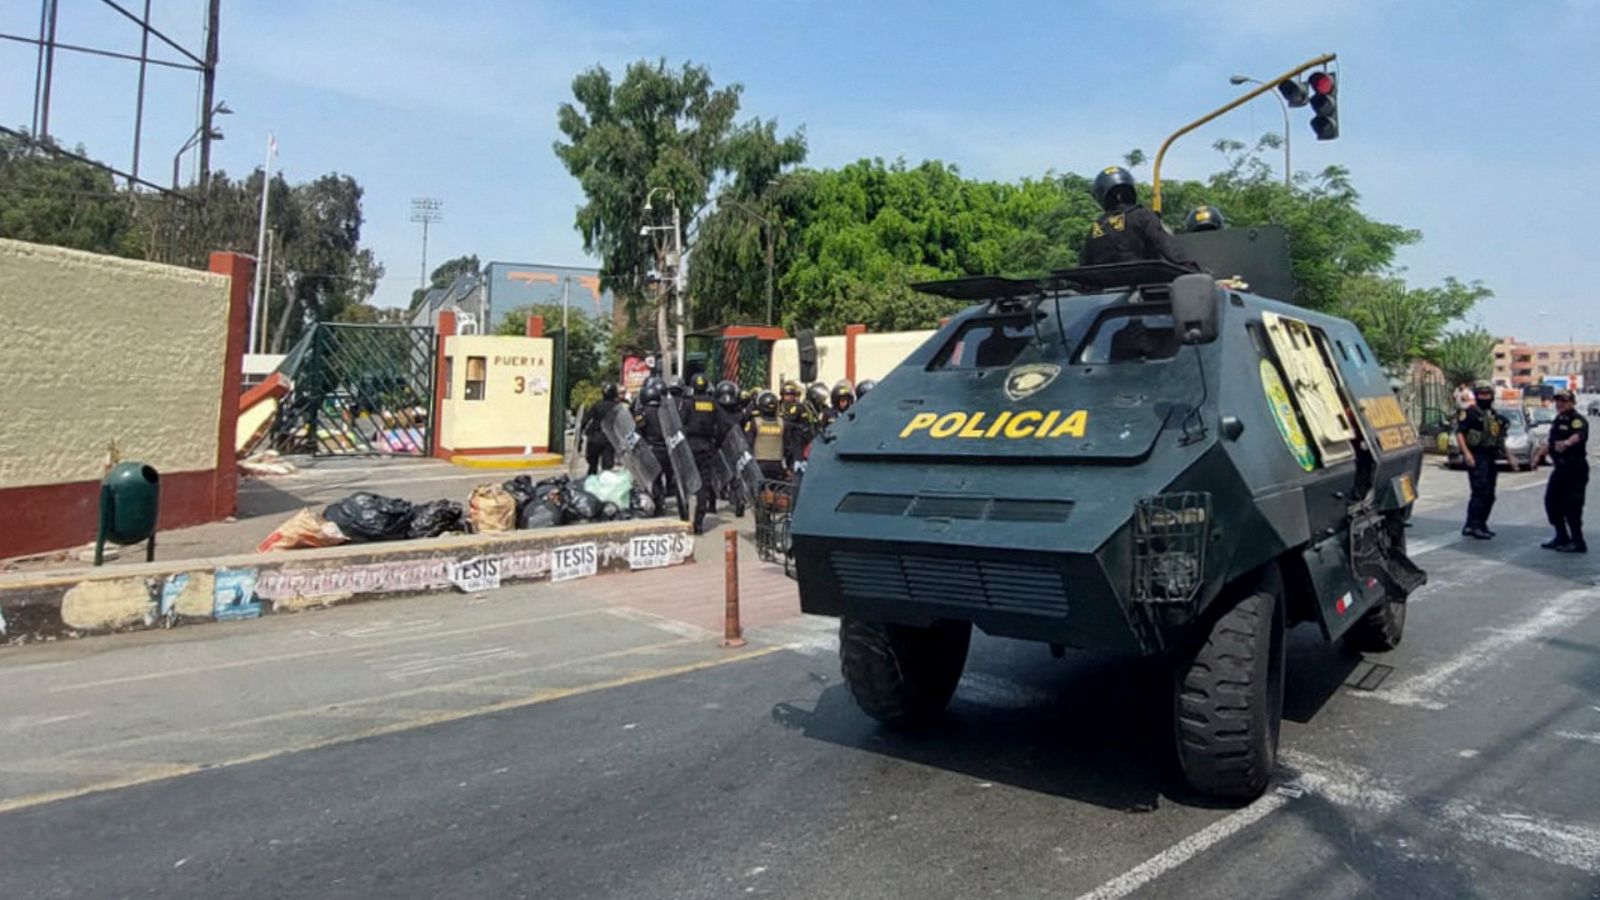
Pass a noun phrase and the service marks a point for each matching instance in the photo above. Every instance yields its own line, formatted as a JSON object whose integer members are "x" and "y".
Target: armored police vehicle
{"x": 1119, "y": 457}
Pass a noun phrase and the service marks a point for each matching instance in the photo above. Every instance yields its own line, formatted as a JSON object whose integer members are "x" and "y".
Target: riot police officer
{"x": 1568, "y": 449}
{"x": 1204, "y": 218}
{"x": 864, "y": 388}
{"x": 648, "y": 424}
{"x": 796, "y": 428}
{"x": 1481, "y": 436}
{"x": 701, "y": 428}
{"x": 1126, "y": 231}
{"x": 730, "y": 419}
{"x": 843, "y": 397}
{"x": 597, "y": 449}
{"x": 765, "y": 435}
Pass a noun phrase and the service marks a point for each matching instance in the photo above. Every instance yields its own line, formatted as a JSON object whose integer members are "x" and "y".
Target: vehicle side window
{"x": 986, "y": 344}
{"x": 1130, "y": 335}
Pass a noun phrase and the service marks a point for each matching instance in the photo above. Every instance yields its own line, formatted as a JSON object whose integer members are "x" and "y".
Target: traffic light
{"x": 1324, "y": 102}
{"x": 1294, "y": 93}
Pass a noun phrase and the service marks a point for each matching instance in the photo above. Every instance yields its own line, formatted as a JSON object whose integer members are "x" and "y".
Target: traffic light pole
{"x": 1269, "y": 85}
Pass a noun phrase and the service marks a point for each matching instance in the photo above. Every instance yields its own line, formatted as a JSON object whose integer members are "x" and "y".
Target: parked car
{"x": 1519, "y": 444}
{"x": 1539, "y": 420}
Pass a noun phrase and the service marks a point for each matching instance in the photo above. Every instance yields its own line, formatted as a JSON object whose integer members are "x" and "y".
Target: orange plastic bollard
{"x": 732, "y": 634}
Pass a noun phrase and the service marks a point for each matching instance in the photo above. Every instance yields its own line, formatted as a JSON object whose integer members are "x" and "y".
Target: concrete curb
{"x": 75, "y": 602}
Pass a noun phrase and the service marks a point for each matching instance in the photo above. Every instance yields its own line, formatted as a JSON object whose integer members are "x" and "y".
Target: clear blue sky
{"x": 1472, "y": 121}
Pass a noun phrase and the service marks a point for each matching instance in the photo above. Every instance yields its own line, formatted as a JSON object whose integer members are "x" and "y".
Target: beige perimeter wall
{"x": 95, "y": 349}
{"x": 876, "y": 355}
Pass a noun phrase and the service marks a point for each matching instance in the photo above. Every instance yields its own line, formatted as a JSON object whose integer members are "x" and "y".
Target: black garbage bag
{"x": 539, "y": 514}
{"x": 610, "y": 512}
{"x": 435, "y": 518}
{"x": 364, "y": 516}
{"x": 578, "y": 505}
{"x": 521, "y": 489}
{"x": 547, "y": 492}
{"x": 641, "y": 505}
{"x": 553, "y": 480}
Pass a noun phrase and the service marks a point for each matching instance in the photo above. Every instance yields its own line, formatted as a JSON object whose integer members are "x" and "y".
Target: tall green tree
{"x": 51, "y": 199}
{"x": 657, "y": 128}
{"x": 1465, "y": 357}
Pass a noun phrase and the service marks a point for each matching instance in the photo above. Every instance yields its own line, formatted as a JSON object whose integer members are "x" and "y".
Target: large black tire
{"x": 901, "y": 675}
{"x": 1228, "y": 697}
{"x": 1379, "y": 630}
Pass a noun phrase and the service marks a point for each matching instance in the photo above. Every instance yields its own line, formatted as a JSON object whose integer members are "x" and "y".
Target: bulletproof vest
{"x": 1115, "y": 237}
{"x": 649, "y": 425}
{"x": 768, "y": 444}
{"x": 1485, "y": 429}
{"x": 700, "y": 418}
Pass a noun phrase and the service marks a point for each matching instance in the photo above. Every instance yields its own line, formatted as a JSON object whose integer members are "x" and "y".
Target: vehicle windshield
{"x": 1543, "y": 415}
{"x": 1130, "y": 335}
{"x": 1513, "y": 415}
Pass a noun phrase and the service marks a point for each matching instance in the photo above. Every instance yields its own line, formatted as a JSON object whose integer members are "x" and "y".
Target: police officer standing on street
{"x": 1568, "y": 449}
{"x": 648, "y": 424}
{"x": 764, "y": 433}
{"x": 597, "y": 449}
{"x": 730, "y": 418}
{"x": 1126, "y": 231}
{"x": 702, "y": 429}
{"x": 1481, "y": 436}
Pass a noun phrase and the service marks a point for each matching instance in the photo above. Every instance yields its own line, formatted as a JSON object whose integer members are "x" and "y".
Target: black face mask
{"x": 1484, "y": 403}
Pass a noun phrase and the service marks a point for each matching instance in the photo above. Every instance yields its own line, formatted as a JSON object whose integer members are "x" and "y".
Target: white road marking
{"x": 23, "y": 723}
{"x": 1564, "y": 844}
{"x": 1587, "y": 737}
{"x": 661, "y": 623}
{"x": 1431, "y": 688}
{"x": 399, "y": 668}
{"x": 1576, "y": 845}
{"x": 1187, "y": 849}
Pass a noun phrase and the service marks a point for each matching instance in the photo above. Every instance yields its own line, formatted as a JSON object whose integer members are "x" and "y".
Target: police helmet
{"x": 727, "y": 395}
{"x": 767, "y": 403}
{"x": 791, "y": 390}
{"x": 1113, "y": 187}
{"x": 609, "y": 392}
{"x": 650, "y": 394}
{"x": 1483, "y": 387}
{"x": 660, "y": 385}
{"x": 675, "y": 386}
{"x": 817, "y": 396}
{"x": 843, "y": 395}
{"x": 864, "y": 387}
{"x": 1205, "y": 218}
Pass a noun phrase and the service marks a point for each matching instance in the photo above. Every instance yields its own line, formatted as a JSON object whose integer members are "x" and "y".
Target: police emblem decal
{"x": 1025, "y": 381}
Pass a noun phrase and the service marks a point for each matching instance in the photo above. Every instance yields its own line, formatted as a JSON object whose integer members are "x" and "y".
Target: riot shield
{"x": 631, "y": 449}
{"x": 740, "y": 465}
{"x": 684, "y": 469}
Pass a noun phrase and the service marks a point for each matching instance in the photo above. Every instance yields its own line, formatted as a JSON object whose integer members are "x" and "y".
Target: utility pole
{"x": 261, "y": 243}
{"x": 677, "y": 278}
{"x": 209, "y": 84}
{"x": 1288, "y": 180}
{"x": 426, "y": 210}
{"x": 566, "y": 286}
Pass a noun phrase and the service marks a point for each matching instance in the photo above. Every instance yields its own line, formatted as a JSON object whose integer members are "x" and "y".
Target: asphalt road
{"x": 568, "y": 742}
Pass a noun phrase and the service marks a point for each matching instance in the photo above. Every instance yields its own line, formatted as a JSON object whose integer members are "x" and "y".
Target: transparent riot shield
{"x": 678, "y": 452}
{"x": 631, "y": 449}
{"x": 739, "y": 464}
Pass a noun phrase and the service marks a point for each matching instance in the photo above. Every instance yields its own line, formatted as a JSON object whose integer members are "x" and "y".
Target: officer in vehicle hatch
{"x": 597, "y": 449}
{"x": 1126, "y": 231}
{"x": 648, "y": 424}
{"x": 1204, "y": 218}
{"x": 1568, "y": 449}
{"x": 702, "y": 429}
{"x": 843, "y": 397}
{"x": 1481, "y": 436}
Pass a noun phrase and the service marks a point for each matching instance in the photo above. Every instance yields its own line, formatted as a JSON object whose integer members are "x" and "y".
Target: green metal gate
{"x": 558, "y": 391}
{"x": 361, "y": 390}
{"x": 741, "y": 360}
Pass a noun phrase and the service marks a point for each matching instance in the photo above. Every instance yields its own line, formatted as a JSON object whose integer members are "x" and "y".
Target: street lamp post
{"x": 1287, "y": 171}
{"x": 212, "y": 134}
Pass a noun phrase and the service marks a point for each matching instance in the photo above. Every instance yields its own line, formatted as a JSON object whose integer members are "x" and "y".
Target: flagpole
{"x": 261, "y": 246}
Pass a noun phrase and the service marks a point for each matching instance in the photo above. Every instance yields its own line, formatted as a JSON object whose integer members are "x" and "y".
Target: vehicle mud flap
{"x": 679, "y": 456}
{"x": 634, "y": 453}
{"x": 1377, "y": 552}
{"x": 738, "y": 465}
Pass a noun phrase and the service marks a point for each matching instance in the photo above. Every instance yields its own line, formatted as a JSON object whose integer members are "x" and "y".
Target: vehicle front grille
{"x": 983, "y": 584}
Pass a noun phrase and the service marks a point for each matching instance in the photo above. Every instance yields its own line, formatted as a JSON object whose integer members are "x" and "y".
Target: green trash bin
{"x": 130, "y": 501}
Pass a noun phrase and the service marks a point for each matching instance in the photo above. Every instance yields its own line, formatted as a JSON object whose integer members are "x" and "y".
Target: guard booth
{"x": 496, "y": 395}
